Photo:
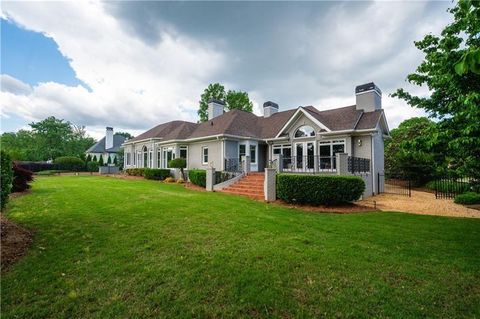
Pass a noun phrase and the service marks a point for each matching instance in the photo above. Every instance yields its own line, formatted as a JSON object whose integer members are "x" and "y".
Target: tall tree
{"x": 127, "y": 135}
{"x": 213, "y": 91}
{"x": 454, "y": 87}
{"x": 238, "y": 100}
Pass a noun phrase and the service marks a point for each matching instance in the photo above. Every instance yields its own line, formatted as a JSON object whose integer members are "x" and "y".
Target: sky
{"x": 134, "y": 65}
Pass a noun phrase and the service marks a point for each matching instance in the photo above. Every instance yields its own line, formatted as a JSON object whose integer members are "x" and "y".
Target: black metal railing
{"x": 450, "y": 187}
{"x": 233, "y": 165}
{"x": 358, "y": 165}
{"x": 394, "y": 183}
{"x": 309, "y": 164}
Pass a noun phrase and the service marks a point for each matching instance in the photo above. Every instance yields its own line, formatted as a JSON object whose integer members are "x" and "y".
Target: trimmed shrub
{"x": 21, "y": 178}
{"x": 198, "y": 177}
{"x": 318, "y": 189}
{"x": 169, "y": 180}
{"x": 135, "y": 171}
{"x": 6, "y": 176}
{"x": 469, "y": 198}
{"x": 156, "y": 173}
{"x": 92, "y": 166}
{"x": 180, "y": 163}
{"x": 50, "y": 172}
{"x": 70, "y": 163}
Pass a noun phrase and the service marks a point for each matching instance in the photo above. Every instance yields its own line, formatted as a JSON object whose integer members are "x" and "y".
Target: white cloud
{"x": 130, "y": 84}
{"x": 10, "y": 84}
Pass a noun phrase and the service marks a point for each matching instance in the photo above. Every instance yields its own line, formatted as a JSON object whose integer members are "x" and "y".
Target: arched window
{"x": 145, "y": 156}
{"x": 305, "y": 131}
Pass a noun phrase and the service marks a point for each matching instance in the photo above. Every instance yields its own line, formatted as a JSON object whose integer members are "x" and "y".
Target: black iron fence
{"x": 309, "y": 164}
{"x": 394, "y": 183}
{"x": 233, "y": 165}
{"x": 358, "y": 165}
{"x": 450, "y": 187}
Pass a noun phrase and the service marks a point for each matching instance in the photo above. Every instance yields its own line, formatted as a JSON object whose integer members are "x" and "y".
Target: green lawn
{"x": 113, "y": 248}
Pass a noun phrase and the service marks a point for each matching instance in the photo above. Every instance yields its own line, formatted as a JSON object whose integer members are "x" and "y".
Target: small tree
{"x": 89, "y": 158}
{"x": 100, "y": 161}
{"x": 180, "y": 163}
{"x": 109, "y": 160}
{"x": 115, "y": 161}
{"x": 94, "y": 159}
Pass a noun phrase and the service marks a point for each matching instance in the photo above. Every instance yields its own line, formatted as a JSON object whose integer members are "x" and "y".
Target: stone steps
{"x": 250, "y": 186}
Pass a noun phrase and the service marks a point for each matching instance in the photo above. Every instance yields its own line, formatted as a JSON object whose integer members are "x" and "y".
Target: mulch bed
{"x": 15, "y": 241}
{"x": 340, "y": 209}
{"x": 194, "y": 187}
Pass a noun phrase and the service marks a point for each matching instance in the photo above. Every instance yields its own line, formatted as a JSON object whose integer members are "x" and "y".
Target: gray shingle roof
{"x": 241, "y": 123}
{"x": 99, "y": 147}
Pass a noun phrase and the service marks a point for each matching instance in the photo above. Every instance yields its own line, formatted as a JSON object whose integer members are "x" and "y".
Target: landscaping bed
{"x": 15, "y": 241}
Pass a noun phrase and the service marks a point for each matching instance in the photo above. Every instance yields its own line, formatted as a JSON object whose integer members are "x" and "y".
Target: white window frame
{"x": 203, "y": 155}
{"x": 159, "y": 158}
{"x": 253, "y": 159}
{"x": 303, "y": 137}
{"x": 165, "y": 150}
{"x": 181, "y": 148}
{"x": 331, "y": 143}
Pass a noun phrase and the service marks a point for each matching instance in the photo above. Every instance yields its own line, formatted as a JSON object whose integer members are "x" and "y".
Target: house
{"x": 107, "y": 146}
{"x": 306, "y": 139}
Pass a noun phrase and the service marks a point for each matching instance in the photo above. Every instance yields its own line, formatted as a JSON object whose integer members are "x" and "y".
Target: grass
{"x": 112, "y": 248}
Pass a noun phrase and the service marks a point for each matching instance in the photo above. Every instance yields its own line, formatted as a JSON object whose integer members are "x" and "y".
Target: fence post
{"x": 342, "y": 163}
{"x": 246, "y": 164}
{"x": 409, "y": 187}
{"x": 210, "y": 180}
{"x": 279, "y": 159}
{"x": 269, "y": 184}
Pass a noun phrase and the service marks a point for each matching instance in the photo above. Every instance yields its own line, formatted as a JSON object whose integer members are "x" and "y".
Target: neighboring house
{"x": 306, "y": 137}
{"x": 108, "y": 146}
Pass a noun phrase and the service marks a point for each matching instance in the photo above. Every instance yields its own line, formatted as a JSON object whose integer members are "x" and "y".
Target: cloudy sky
{"x": 133, "y": 65}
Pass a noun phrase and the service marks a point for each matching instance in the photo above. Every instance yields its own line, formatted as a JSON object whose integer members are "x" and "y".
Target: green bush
{"x": 319, "y": 190}
{"x": 198, "y": 177}
{"x": 70, "y": 163}
{"x": 180, "y": 163}
{"x": 156, "y": 173}
{"x": 135, "y": 171}
{"x": 447, "y": 187}
{"x": 6, "y": 177}
{"x": 92, "y": 166}
{"x": 469, "y": 198}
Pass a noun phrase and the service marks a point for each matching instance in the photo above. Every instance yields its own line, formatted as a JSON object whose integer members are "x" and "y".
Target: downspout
{"x": 372, "y": 150}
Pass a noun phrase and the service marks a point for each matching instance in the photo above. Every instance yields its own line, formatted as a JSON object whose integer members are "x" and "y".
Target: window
{"x": 159, "y": 158}
{"x": 328, "y": 151}
{"x": 168, "y": 155}
{"x": 204, "y": 155}
{"x": 150, "y": 158}
{"x": 286, "y": 151}
{"x": 145, "y": 156}
{"x": 242, "y": 151}
{"x": 305, "y": 131}
{"x": 128, "y": 159}
{"x": 184, "y": 153}
{"x": 253, "y": 154}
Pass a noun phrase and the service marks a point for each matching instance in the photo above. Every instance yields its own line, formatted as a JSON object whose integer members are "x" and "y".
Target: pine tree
{"x": 94, "y": 158}
{"x": 100, "y": 161}
{"x": 89, "y": 158}
{"x": 109, "y": 161}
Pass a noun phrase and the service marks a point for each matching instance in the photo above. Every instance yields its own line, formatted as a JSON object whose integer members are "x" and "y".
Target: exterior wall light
{"x": 359, "y": 143}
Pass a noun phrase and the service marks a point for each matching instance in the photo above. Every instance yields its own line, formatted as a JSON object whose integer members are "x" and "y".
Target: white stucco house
{"x": 306, "y": 139}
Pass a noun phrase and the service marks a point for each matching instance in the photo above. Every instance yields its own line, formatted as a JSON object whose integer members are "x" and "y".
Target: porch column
{"x": 342, "y": 164}
{"x": 278, "y": 160}
{"x": 210, "y": 181}
{"x": 269, "y": 185}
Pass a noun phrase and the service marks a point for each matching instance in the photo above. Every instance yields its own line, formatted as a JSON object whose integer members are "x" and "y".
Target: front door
{"x": 304, "y": 156}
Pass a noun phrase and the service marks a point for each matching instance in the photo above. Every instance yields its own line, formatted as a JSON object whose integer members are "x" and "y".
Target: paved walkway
{"x": 420, "y": 203}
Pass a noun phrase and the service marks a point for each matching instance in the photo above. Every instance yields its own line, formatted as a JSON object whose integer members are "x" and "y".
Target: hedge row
{"x": 135, "y": 171}
{"x": 6, "y": 177}
{"x": 69, "y": 163}
{"x": 198, "y": 177}
{"x": 156, "y": 173}
{"x": 319, "y": 190}
{"x": 36, "y": 166}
